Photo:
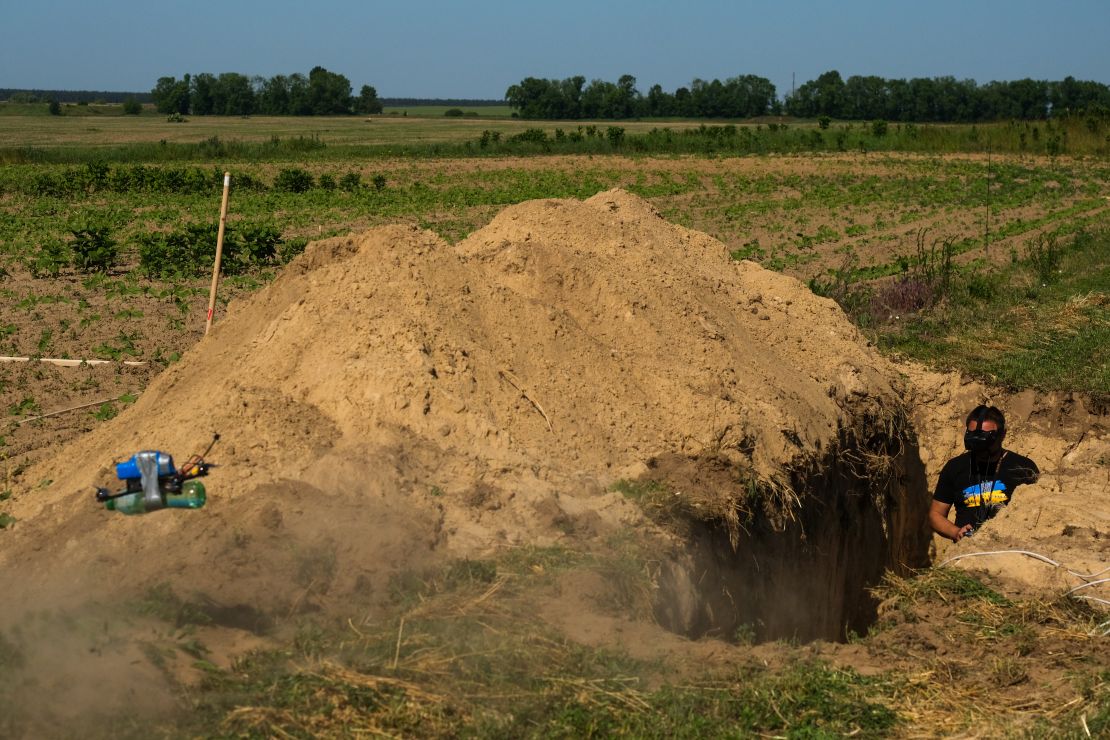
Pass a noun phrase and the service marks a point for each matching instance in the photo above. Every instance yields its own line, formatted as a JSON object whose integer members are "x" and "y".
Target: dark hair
{"x": 983, "y": 413}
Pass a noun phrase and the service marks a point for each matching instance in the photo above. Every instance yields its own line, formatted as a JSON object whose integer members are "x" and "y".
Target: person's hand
{"x": 962, "y": 532}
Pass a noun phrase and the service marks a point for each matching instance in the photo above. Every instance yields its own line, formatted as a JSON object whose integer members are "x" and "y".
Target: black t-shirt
{"x": 979, "y": 489}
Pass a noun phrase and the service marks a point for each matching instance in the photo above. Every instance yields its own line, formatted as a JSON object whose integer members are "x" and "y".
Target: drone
{"x": 151, "y": 482}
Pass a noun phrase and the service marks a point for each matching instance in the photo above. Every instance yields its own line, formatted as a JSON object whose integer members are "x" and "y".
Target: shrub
{"x": 823, "y": 122}
{"x": 489, "y": 137}
{"x": 191, "y": 251}
{"x": 49, "y": 259}
{"x": 453, "y": 112}
{"x": 879, "y": 128}
{"x": 290, "y": 249}
{"x": 908, "y": 294}
{"x": 351, "y": 182}
{"x": 615, "y": 134}
{"x": 293, "y": 180}
{"x": 94, "y": 250}
{"x": 379, "y": 182}
{"x": 1044, "y": 254}
{"x": 55, "y": 108}
{"x": 326, "y": 182}
{"x": 529, "y": 136}
{"x": 132, "y": 107}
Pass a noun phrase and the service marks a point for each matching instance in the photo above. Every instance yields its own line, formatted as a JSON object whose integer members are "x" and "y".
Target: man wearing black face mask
{"x": 980, "y": 481}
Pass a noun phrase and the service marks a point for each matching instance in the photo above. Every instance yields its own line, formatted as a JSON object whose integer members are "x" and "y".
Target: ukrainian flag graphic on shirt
{"x": 985, "y": 494}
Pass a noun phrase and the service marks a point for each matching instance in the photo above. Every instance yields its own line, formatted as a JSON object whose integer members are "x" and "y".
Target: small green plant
{"x": 94, "y": 250}
{"x": 27, "y": 405}
{"x": 6, "y": 520}
{"x": 49, "y": 259}
{"x": 750, "y": 251}
{"x": 1044, "y": 254}
{"x": 105, "y": 412}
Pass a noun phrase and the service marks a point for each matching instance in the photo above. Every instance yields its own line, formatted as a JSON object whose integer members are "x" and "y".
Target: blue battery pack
{"x": 129, "y": 470}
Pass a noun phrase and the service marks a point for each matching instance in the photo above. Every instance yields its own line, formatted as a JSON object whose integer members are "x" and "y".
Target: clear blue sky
{"x": 477, "y": 48}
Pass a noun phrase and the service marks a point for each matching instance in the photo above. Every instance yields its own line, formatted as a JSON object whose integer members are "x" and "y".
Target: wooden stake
{"x": 219, "y": 253}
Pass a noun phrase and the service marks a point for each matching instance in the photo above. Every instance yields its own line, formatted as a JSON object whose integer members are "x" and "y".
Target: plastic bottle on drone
{"x": 191, "y": 496}
{"x": 151, "y": 483}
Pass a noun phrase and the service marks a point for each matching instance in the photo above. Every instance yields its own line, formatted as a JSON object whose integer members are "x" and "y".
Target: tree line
{"x": 15, "y": 95}
{"x": 938, "y": 99}
{"x": 320, "y": 93}
{"x": 572, "y": 98}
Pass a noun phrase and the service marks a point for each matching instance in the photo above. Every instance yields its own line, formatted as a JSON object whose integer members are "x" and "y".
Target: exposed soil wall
{"x": 810, "y": 576}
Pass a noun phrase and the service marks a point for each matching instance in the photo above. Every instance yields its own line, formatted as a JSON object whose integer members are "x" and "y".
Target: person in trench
{"x": 980, "y": 481}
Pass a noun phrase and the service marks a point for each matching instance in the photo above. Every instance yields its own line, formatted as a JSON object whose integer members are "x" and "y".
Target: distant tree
{"x": 132, "y": 107}
{"x": 865, "y": 98}
{"x": 201, "y": 101}
{"x": 171, "y": 95}
{"x": 367, "y": 101}
{"x": 824, "y": 96}
{"x": 659, "y": 103}
{"x": 55, "y": 108}
{"x": 233, "y": 95}
{"x": 329, "y": 92}
{"x": 272, "y": 95}
{"x": 453, "y": 112}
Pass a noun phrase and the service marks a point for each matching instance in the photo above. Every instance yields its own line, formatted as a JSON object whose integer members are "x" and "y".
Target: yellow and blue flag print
{"x": 985, "y": 494}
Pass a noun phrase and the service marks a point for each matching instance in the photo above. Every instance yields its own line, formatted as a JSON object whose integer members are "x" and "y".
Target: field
{"x": 985, "y": 267}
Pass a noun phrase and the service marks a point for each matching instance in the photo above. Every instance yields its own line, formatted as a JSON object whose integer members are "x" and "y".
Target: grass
{"x": 991, "y": 641}
{"x": 466, "y": 656}
{"x": 1022, "y": 326}
{"x": 463, "y": 653}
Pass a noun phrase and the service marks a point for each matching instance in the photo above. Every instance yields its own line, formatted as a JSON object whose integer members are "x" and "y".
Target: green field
{"x": 841, "y": 220}
{"x": 972, "y": 248}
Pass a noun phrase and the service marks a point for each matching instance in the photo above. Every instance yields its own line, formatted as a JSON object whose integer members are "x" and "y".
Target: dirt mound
{"x": 391, "y": 395}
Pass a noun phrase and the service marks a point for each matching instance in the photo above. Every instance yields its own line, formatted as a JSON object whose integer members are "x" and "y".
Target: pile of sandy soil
{"x": 392, "y": 398}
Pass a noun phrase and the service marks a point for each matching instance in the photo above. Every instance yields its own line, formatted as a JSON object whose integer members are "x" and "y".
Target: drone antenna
{"x": 215, "y": 439}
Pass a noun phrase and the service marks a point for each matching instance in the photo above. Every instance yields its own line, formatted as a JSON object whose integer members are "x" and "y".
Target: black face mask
{"x": 980, "y": 441}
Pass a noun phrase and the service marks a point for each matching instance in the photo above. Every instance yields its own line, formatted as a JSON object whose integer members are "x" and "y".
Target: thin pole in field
{"x": 219, "y": 253}
{"x": 987, "y": 227}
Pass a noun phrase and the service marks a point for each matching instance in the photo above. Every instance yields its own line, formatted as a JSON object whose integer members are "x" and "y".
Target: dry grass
{"x": 1009, "y": 667}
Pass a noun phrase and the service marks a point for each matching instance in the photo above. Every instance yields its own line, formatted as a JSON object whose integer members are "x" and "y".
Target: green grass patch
{"x": 1043, "y": 322}
{"x": 469, "y": 658}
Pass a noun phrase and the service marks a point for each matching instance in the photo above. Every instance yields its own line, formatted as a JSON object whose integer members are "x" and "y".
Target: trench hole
{"x": 801, "y": 574}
